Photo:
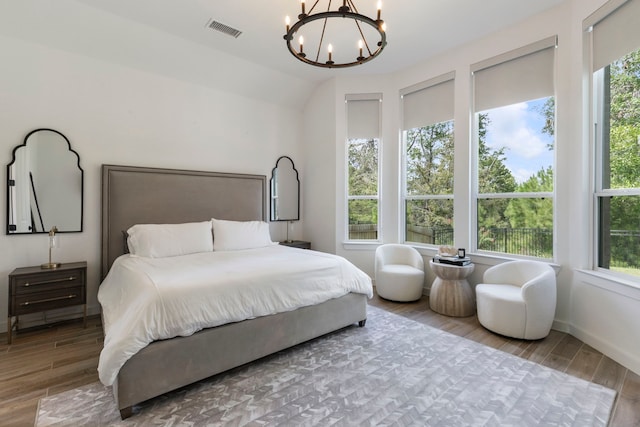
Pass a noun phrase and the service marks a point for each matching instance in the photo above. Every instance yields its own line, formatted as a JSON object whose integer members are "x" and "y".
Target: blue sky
{"x": 518, "y": 127}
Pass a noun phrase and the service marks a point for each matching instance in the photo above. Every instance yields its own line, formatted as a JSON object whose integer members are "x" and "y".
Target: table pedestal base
{"x": 450, "y": 293}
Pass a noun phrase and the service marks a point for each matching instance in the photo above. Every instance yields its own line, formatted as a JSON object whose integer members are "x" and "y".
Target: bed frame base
{"x": 167, "y": 365}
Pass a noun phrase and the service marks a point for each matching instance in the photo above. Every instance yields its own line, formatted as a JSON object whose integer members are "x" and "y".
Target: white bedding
{"x": 147, "y": 299}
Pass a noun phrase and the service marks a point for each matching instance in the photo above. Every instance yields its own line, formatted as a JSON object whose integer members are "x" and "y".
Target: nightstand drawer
{"x": 41, "y": 301}
{"x": 46, "y": 282}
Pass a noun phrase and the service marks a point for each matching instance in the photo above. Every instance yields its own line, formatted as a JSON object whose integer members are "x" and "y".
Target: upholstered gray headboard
{"x": 138, "y": 195}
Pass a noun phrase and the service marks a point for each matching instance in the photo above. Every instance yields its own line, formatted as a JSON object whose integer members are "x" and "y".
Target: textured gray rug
{"x": 394, "y": 371}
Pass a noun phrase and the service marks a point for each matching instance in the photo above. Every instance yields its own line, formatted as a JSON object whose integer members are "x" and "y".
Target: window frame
{"x": 599, "y": 99}
{"x": 403, "y": 194}
{"x": 377, "y": 197}
{"x": 476, "y": 196}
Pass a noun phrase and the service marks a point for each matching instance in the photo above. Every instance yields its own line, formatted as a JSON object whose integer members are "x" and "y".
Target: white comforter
{"x": 147, "y": 299}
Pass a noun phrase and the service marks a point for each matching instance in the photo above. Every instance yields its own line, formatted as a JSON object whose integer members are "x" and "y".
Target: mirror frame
{"x": 273, "y": 200}
{"x": 13, "y": 159}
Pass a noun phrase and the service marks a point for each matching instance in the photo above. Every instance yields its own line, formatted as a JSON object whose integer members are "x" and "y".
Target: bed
{"x": 138, "y": 195}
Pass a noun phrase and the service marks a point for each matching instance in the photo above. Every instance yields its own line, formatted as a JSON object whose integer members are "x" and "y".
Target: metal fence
{"x": 429, "y": 235}
{"x": 363, "y": 231}
{"x": 536, "y": 242}
{"x": 625, "y": 249}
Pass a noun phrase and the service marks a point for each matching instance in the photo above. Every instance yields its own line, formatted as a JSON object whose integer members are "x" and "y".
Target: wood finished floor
{"x": 48, "y": 360}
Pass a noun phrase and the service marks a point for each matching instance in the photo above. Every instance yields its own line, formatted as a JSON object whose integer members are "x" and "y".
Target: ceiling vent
{"x": 218, "y": 26}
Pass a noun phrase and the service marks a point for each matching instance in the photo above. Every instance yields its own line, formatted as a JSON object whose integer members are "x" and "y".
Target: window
{"x": 616, "y": 96}
{"x": 363, "y": 163}
{"x": 427, "y": 136}
{"x": 514, "y": 127}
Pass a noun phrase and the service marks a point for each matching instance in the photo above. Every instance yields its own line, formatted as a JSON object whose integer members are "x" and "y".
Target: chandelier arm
{"x": 324, "y": 26}
{"x": 352, "y": 6}
{"x": 364, "y": 39}
{"x": 313, "y": 7}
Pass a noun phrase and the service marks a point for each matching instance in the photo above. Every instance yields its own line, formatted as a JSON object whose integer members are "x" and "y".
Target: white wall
{"x": 599, "y": 309}
{"x": 319, "y": 181}
{"x": 117, "y": 115}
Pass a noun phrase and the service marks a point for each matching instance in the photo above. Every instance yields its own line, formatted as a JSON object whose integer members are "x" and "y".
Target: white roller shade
{"x": 427, "y": 106}
{"x": 363, "y": 117}
{"x": 510, "y": 78}
{"x": 617, "y": 34}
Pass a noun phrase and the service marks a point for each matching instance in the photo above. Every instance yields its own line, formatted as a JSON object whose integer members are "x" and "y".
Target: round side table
{"x": 450, "y": 293}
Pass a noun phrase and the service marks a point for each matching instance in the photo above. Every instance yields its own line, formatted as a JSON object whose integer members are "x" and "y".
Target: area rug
{"x": 394, "y": 371}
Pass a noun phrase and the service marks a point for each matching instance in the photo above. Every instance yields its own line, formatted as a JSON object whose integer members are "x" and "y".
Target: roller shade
{"x": 429, "y": 105}
{"x": 616, "y": 34}
{"x": 363, "y": 116}
{"x": 518, "y": 76}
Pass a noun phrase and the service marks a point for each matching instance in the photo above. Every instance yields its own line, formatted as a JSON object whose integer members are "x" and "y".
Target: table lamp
{"x": 53, "y": 243}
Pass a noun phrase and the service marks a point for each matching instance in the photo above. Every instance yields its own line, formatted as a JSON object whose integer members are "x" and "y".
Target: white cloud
{"x": 511, "y": 127}
{"x": 519, "y": 130}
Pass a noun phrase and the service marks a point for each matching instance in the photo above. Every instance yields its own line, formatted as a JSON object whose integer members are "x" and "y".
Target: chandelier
{"x": 345, "y": 26}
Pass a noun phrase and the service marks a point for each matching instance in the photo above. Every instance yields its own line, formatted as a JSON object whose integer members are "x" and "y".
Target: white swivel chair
{"x": 399, "y": 271}
{"x": 518, "y": 299}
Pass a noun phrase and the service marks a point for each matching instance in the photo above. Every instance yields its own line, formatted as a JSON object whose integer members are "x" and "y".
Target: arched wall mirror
{"x": 285, "y": 191}
{"x": 45, "y": 185}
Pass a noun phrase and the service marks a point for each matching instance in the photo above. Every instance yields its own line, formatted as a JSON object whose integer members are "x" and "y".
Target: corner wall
{"x": 600, "y": 309}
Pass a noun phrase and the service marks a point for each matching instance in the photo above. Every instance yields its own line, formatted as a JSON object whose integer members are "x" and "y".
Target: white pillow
{"x": 236, "y": 235}
{"x": 165, "y": 240}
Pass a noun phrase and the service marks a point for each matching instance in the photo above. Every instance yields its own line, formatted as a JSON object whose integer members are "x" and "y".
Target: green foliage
{"x": 493, "y": 177}
{"x": 625, "y": 90}
{"x": 363, "y": 167}
{"x": 429, "y": 154}
{"x": 363, "y": 180}
{"x": 533, "y": 212}
{"x": 548, "y": 111}
{"x": 430, "y": 159}
{"x": 493, "y": 174}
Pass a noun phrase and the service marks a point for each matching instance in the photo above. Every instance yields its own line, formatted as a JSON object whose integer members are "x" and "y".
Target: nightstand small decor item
{"x": 53, "y": 243}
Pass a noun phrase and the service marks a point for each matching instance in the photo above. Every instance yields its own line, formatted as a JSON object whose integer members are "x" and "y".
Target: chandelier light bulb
{"x": 379, "y": 8}
{"x": 287, "y": 22}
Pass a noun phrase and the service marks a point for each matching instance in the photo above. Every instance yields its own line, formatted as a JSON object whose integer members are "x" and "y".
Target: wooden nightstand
{"x": 297, "y": 244}
{"x": 33, "y": 290}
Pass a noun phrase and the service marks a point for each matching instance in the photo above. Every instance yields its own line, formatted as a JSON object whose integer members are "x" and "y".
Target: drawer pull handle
{"x": 48, "y": 300}
{"x": 46, "y": 282}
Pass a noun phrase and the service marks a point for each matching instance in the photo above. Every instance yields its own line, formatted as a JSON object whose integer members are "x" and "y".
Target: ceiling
{"x": 416, "y": 29}
{"x": 171, "y": 37}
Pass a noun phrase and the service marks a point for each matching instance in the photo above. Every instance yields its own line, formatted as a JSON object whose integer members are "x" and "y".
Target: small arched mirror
{"x": 45, "y": 185}
{"x": 285, "y": 191}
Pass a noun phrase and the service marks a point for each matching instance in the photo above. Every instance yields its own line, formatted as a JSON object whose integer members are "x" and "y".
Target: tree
{"x": 530, "y": 212}
{"x": 429, "y": 153}
{"x": 493, "y": 177}
{"x": 363, "y": 180}
{"x": 620, "y": 215}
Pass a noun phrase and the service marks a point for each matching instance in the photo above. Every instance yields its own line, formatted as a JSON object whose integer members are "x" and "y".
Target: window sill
{"x": 610, "y": 282}
{"x": 354, "y": 245}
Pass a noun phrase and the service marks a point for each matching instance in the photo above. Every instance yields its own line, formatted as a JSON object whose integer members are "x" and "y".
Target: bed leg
{"x": 362, "y": 323}
{"x": 126, "y": 412}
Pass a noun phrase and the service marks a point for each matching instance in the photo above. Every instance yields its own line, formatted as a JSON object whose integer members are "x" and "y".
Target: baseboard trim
{"x": 626, "y": 359}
